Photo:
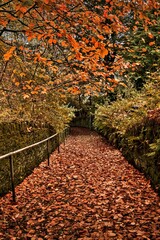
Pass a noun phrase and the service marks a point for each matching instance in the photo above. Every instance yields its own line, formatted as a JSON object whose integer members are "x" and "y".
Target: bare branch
{"x": 2, "y": 5}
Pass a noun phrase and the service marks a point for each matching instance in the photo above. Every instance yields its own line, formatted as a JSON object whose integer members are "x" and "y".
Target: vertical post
{"x": 90, "y": 118}
{"x": 64, "y": 137}
{"x": 90, "y": 121}
{"x": 58, "y": 143}
{"x": 48, "y": 152}
{"x": 12, "y": 178}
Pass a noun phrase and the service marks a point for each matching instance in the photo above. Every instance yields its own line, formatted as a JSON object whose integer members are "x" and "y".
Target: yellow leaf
{"x": 70, "y": 58}
{"x": 22, "y": 74}
{"x": 54, "y": 69}
{"x": 59, "y": 61}
{"x": 17, "y": 83}
{"x": 44, "y": 91}
{"x": 50, "y": 83}
{"x": 25, "y": 96}
{"x": 28, "y": 86}
{"x": 123, "y": 84}
{"x": 34, "y": 92}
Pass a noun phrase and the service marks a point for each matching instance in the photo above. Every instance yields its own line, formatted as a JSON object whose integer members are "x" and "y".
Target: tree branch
{"x": 2, "y": 5}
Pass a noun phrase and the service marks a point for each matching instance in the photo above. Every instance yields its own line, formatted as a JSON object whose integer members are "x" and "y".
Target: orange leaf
{"x": 103, "y": 52}
{"x": 3, "y": 22}
{"x": 8, "y": 54}
{"x": 34, "y": 92}
{"x": 73, "y": 42}
{"x": 144, "y": 50}
{"x": 50, "y": 41}
{"x": 123, "y": 84}
{"x": 21, "y": 48}
{"x": 110, "y": 89}
{"x": 62, "y": 7}
{"x": 70, "y": 57}
{"x": 22, "y": 74}
{"x": 101, "y": 37}
{"x": 96, "y": 44}
{"x": 17, "y": 84}
{"x": 25, "y": 96}
{"x": 23, "y": 9}
{"x": 150, "y": 35}
{"x": 30, "y": 37}
{"x": 79, "y": 56}
{"x": 97, "y": 19}
{"x": 64, "y": 44}
{"x": 151, "y": 44}
{"x": 46, "y": 1}
{"x": 59, "y": 61}
{"x": 12, "y": 18}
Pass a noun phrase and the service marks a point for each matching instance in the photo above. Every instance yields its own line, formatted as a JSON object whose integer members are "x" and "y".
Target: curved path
{"x": 88, "y": 192}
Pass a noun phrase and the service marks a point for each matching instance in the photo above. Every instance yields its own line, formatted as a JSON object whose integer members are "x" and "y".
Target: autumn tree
{"x": 66, "y": 47}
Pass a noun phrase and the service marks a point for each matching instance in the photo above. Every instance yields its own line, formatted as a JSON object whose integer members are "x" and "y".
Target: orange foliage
{"x": 67, "y": 34}
{"x": 9, "y": 53}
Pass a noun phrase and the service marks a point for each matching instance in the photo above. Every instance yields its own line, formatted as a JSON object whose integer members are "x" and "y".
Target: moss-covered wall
{"x": 140, "y": 145}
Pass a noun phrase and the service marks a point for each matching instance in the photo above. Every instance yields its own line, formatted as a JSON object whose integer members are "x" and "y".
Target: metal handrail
{"x": 25, "y": 148}
{"x": 10, "y": 155}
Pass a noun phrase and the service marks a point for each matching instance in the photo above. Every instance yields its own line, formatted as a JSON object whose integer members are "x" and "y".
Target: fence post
{"x": 64, "y": 137}
{"x": 48, "y": 152}
{"x": 12, "y": 178}
{"x": 58, "y": 143}
{"x": 90, "y": 122}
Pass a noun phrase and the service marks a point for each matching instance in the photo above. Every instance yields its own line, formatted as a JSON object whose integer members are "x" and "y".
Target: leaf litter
{"x": 89, "y": 191}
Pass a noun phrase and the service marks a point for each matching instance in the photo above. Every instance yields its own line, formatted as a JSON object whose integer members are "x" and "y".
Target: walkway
{"x": 88, "y": 192}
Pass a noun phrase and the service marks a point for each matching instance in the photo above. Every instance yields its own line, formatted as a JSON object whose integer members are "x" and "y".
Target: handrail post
{"x": 58, "y": 143}
{"x": 12, "y": 178}
{"x": 64, "y": 137}
{"x": 48, "y": 152}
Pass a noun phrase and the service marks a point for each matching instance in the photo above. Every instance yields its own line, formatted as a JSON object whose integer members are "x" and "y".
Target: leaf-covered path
{"x": 88, "y": 192}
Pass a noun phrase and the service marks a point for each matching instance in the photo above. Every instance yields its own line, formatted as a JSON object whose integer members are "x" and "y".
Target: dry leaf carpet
{"x": 88, "y": 192}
